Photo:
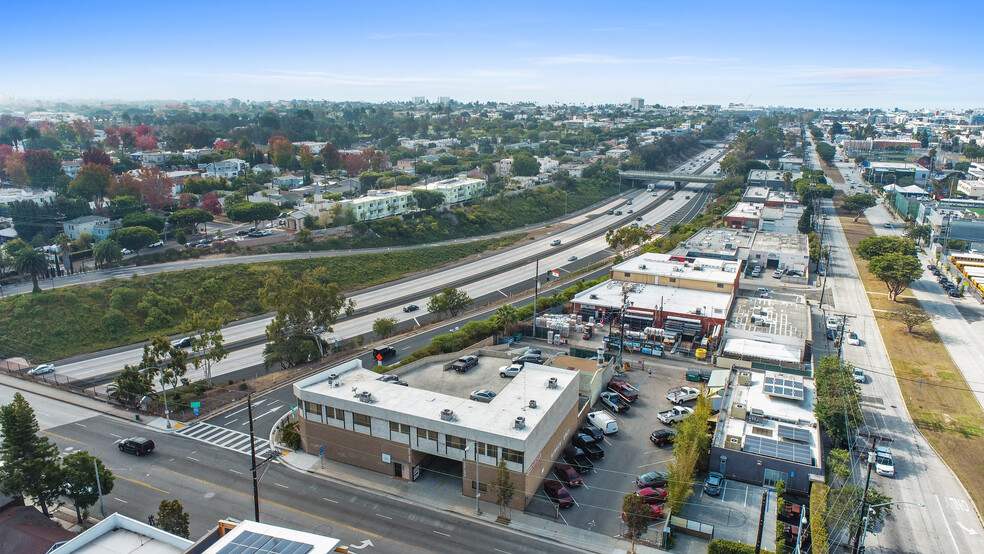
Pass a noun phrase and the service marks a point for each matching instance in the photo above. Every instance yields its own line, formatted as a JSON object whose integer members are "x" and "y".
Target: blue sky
{"x": 813, "y": 54}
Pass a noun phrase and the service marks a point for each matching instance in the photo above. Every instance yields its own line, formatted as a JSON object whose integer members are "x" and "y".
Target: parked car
{"x": 126, "y": 251}
{"x": 464, "y": 363}
{"x": 713, "y": 483}
{"x": 613, "y": 402}
{"x": 528, "y": 357}
{"x": 955, "y": 293}
{"x": 653, "y": 479}
{"x": 136, "y": 445}
{"x": 589, "y": 445}
{"x": 674, "y": 415}
{"x": 680, "y": 395}
{"x": 888, "y": 225}
{"x": 603, "y": 421}
{"x": 592, "y": 431}
{"x": 567, "y": 475}
{"x": 859, "y": 375}
{"x": 777, "y": 274}
{"x": 663, "y": 437}
{"x": 654, "y": 512}
{"x": 156, "y": 244}
{"x": 482, "y": 395}
{"x": 242, "y": 233}
{"x": 42, "y": 369}
{"x": 510, "y": 370}
{"x": 578, "y": 459}
{"x": 652, "y": 495}
{"x": 410, "y": 308}
{"x": 558, "y": 494}
{"x": 625, "y": 390}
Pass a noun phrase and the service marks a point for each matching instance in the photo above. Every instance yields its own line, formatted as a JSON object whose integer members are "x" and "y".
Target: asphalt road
{"x": 949, "y": 522}
{"x": 487, "y": 275}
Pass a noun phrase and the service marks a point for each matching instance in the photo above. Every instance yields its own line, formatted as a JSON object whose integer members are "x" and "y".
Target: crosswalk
{"x": 225, "y": 438}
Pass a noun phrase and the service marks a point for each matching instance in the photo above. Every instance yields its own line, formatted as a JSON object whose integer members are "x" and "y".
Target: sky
{"x": 825, "y": 54}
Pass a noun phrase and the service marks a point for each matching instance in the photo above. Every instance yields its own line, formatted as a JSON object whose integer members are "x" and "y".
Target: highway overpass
{"x": 678, "y": 179}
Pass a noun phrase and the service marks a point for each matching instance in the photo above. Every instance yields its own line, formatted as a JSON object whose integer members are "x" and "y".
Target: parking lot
{"x": 628, "y": 453}
{"x": 734, "y": 514}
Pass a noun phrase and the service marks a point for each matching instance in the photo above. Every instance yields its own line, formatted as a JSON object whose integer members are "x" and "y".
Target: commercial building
{"x": 782, "y": 219}
{"x": 767, "y": 178}
{"x": 973, "y": 185}
{"x": 637, "y": 103}
{"x": 768, "y": 333}
{"x": 774, "y": 250}
{"x": 878, "y": 170}
{"x": 716, "y": 243}
{"x": 756, "y": 194}
{"x": 398, "y": 431}
{"x": 744, "y": 215}
{"x": 766, "y": 431}
{"x": 457, "y": 189}
{"x": 379, "y": 204}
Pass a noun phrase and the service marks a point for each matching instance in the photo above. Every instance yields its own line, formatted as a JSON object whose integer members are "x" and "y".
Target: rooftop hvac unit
{"x": 593, "y": 296}
{"x": 533, "y": 404}
{"x": 642, "y": 266}
{"x": 520, "y": 422}
{"x": 552, "y": 383}
{"x": 745, "y": 378}
{"x": 365, "y": 396}
{"x": 738, "y": 411}
{"x": 447, "y": 414}
{"x": 333, "y": 377}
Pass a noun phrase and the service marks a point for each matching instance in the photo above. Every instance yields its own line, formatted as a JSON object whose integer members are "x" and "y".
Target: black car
{"x": 663, "y": 437}
{"x": 954, "y": 293}
{"x": 411, "y": 308}
{"x": 592, "y": 431}
{"x": 578, "y": 459}
{"x": 242, "y": 233}
{"x": 136, "y": 445}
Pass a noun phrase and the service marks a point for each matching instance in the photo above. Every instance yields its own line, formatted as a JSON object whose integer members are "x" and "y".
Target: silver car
{"x": 42, "y": 369}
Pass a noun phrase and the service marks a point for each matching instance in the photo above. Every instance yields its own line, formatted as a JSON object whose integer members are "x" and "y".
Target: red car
{"x": 652, "y": 495}
{"x": 625, "y": 390}
{"x": 568, "y": 475}
{"x": 656, "y": 513}
{"x": 556, "y": 492}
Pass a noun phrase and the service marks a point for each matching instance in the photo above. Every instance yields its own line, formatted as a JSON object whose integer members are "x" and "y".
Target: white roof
{"x": 118, "y": 533}
{"x": 251, "y": 534}
{"x": 701, "y": 269}
{"x": 655, "y": 297}
{"x": 764, "y": 350}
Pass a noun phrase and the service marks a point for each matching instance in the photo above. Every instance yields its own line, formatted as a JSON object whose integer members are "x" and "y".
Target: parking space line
{"x": 563, "y": 519}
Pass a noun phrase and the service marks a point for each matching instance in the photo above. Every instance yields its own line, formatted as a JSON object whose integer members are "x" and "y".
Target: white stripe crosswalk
{"x": 225, "y": 438}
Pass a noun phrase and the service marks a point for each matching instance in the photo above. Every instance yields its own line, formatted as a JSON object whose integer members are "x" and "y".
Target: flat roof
{"x": 756, "y": 194}
{"x": 766, "y": 174}
{"x": 789, "y": 423}
{"x": 716, "y": 239}
{"x": 781, "y": 243}
{"x": 665, "y": 265}
{"x": 118, "y": 533}
{"x": 765, "y": 350}
{"x": 745, "y": 209}
{"x": 412, "y": 405}
{"x": 771, "y": 316}
{"x": 251, "y": 537}
{"x": 451, "y": 183}
{"x": 657, "y": 297}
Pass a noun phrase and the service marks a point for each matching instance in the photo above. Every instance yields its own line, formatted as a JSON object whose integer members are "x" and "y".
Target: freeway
{"x": 480, "y": 277}
{"x": 949, "y": 523}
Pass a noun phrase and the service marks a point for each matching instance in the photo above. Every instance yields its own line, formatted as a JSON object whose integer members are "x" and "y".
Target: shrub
{"x": 291, "y": 436}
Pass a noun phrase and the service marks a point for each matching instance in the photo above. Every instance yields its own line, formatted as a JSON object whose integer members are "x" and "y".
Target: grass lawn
{"x": 935, "y": 392}
{"x": 833, "y": 174}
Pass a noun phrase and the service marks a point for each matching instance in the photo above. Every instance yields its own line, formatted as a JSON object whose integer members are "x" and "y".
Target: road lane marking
{"x": 121, "y": 500}
{"x": 956, "y": 548}
{"x": 141, "y": 483}
{"x": 236, "y": 472}
{"x": 282, "y": 486}
{"x": 329, "y": 500}
{"x": 503, "y": 551}
{"x": 443, "y": 534}
{"x": 282, "y": 507}
{"x": 61, "y": 437}
{"x": 79, "y": 424}
{"x": 384, "y": 517}
{"x": 193, "y": 459}
{"x": 115, "y": 435}
{"x": 233, "y": 421}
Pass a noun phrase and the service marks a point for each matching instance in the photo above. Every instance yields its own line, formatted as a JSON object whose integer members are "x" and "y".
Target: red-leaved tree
{"x": 96, "y": 156}
{"x": 155, "y": 187}
{"x": 210, "y": 203}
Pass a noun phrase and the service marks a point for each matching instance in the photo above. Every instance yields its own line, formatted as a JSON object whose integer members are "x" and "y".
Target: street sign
{"x": 195, "y": 404}
{"x": 321, "y": 450}
{"x": 379, "y": 357}
{"x": 196, "y": 410}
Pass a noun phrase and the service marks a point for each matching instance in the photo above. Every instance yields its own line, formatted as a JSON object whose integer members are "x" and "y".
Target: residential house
{"x": 230, "y": 169}
{"x": 192, "y": 154}
{"x": 102, "y": 229}
{"x": 71, "y": 168}
{"x": 266, "y": 167}
{"x": 457, "y": 189}
{"x": 84, "y": 225}
{"x": 288, "y": 180}
{"x": 379, "y": 204}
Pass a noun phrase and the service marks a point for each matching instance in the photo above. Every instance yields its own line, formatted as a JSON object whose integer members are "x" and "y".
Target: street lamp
{"x": 478, "y": 490}
{"x": 871, "y": 510}
{"x": 453, "y": 329}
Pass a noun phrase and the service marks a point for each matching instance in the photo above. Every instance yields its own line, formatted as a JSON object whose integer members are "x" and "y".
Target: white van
{"x": 603, "y": 421}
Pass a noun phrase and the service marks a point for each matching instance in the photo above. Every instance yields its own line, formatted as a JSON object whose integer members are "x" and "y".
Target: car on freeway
{"x": 853, "y": 339}
{"x": 572, "y": 259}
{"x": 612, "y": 212}
{"x": 510, "y": 370}
{"x": 653, "y": 479}
{"x": 713, "y": 483}
{"x": 183, "y": 342}
{"x": 410, "y": 308}
{"x": 628, "y": 212}
{"x": 555, "y": 242}
{"x": 859, "y": 375}
{"x": 567, "y": 475}
{"x": 42, "y": 369}
{"x": 558, "y": 493}
{"x": 482, "y": 395}
{"x": 663, "y": 437}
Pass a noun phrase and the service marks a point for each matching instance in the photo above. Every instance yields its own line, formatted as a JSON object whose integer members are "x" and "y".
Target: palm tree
{"x": 505, "y": 316}
{"x": 31, "y": 261}
{"x": 64, "y": 243}
{"x": 107, "y": 252}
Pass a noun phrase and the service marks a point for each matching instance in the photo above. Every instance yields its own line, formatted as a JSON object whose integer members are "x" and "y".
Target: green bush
{"x": 721, "y": 546}
{"x": 291, "y": 436}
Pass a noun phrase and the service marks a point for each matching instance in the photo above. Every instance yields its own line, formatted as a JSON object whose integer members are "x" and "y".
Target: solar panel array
{"x": 784, "y": 386}
{"x": 794, "y": 433}
{"x": 784, "y": 450}
{"x": 249, "y": 542}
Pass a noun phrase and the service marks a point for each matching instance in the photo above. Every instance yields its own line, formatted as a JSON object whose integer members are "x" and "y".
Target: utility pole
{"x": 862, "y": 520}
{"x": 840, "y": 344}
{"x": 621, "y": 317}
{"x": 823, "y": 287}
{"x": 252, "y": 457}
{"x": 758, "y": 539}
{"x": 536, "y": 293}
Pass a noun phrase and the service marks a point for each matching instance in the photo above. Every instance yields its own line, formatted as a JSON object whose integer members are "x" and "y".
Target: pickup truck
{"x": 674, "y": 414}
{"x": 625, "y": 390}
{"x": 612, "y": 401}
{"x": 578, "y": 459}
{"x": 680, "y": 395}
{"x": 589, "y": 446}
{"x": 464, "y": 363}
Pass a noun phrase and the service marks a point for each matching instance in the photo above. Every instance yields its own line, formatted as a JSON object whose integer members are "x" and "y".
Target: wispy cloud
{"x": 391, "y": 36}
{"x": 607, "y": 59}
{"x": 866, "y": 73}
{"x": 322, "y": 78}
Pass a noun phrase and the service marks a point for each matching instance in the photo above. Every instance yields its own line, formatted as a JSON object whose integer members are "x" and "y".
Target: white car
{"x": 42, "y": 369}
{"x": 859, "y": 375}
{"x": 126, "y": 251}
{"x": 853, "y": 339}
{"x": 510, "y": 370}
{"x": 156, "y": 244}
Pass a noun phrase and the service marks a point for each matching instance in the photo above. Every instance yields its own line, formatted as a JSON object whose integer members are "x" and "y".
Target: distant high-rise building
{"x": 445, "y": 100}
{"x": 419, "y": 99}
{"x": 637, "y": 103}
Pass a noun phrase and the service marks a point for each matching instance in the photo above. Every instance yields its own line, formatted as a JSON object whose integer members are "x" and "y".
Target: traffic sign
{"x": 196, "y": 410}
{"x": 195, "y": 404}
{"x": 379, "y": 357}
{"x": 321, "y": 450}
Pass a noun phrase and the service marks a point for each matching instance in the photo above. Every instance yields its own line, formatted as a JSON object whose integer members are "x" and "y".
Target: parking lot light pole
{"x": 453, "y": 329}
{"x": 871, "y": 510}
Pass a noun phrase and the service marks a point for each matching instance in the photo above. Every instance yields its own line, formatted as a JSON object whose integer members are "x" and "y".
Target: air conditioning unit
{"x": 552, "y": 383}
{"x": 593, "y": 296}
{"x": 520, "y": 422}
{"x": 333, "y": 377}
{"x": 642, "y": 266}
{"x": 745, "y": 378}
{"x": 366, "y": 396}
{"x": 447, "y": 414}
{"x": 533, "y": 404}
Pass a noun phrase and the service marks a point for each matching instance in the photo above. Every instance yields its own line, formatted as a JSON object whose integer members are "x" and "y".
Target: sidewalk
{"x": 60, "y": 395}
{"x": 459, "y": 505}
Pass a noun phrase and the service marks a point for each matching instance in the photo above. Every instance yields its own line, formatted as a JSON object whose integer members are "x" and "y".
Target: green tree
{"x": 873, "y": 246}
{"x": 837, "y": 405}
{"x": 637, "y": 518}
{"x": 31, "y": 262}
{"x": 450, "y": 300}
{"x": 251, "y": 212}
{"x": 190, "y": 218}
{"x": 427, "y": 199}
{"x": 857, "y": 204}
{"x": 134, "y": 238}
{"x": 107, "y": 253}
{"x": 91, "y": 182}
{"x": 624, "y": 238}
{"x": 143, "y": 220}
{"x": 504, "y": 488}
{"x": 172, "y": 518}
{"x": 826, "y": 152}
{"x": 130, "y": 385}
{"x": 80, "y": 480}
{"x": 208, "y": 344}
{"x": 910, "y": 316}
{"x": 919, "y": 233}
{"x": 30, "y": 465}
{"x": 897, "y": 271}
{"x": 383, "y": 327}
{"x": 525, "y": 165}
{"x": 505, "y": 317}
